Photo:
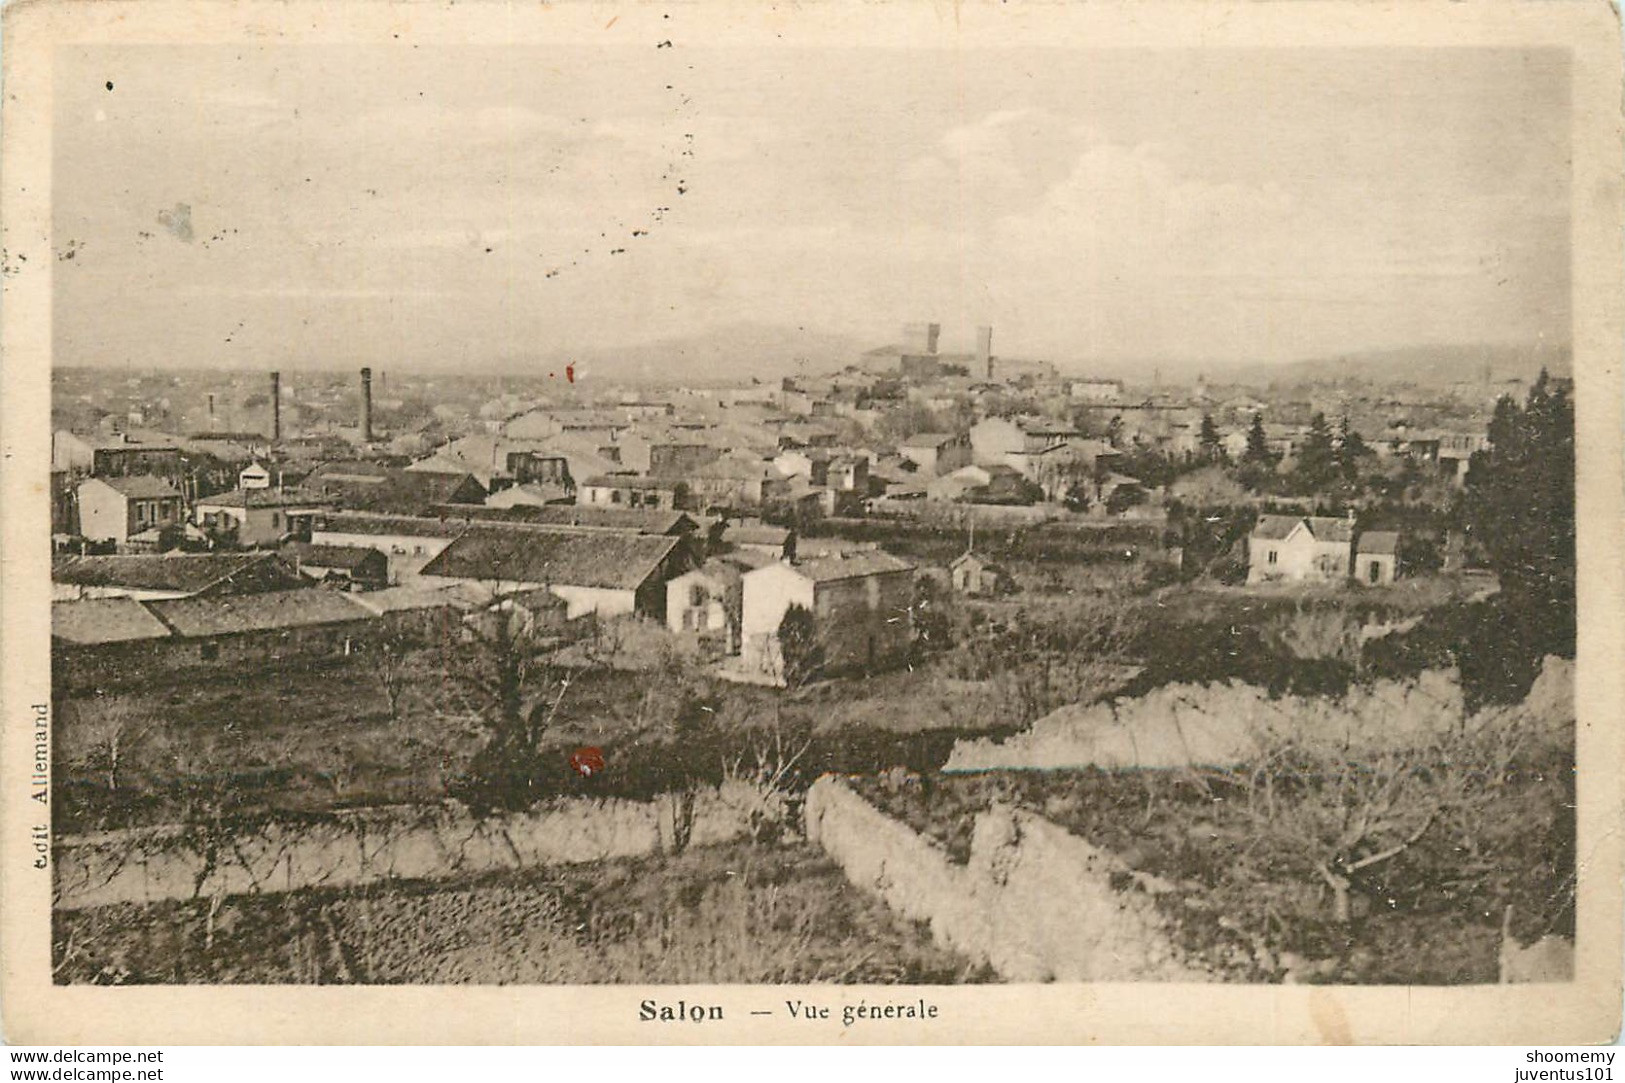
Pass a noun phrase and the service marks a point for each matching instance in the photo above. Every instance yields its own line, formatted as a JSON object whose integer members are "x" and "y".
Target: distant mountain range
{"x": 741, "y": 352}
{"x": 1423, "y": 365}
{"x": 731, "y": 354}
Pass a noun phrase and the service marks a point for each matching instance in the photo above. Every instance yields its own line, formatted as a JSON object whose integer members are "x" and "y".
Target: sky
{"x": 453, "y": 208}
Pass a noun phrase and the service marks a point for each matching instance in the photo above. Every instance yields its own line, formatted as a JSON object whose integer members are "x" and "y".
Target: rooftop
{"x": 852, "y": 565}
{"x": 140, "y": 487}
{"x": 348, "y": 557}
{"x": 104, "y": 620}
{"x": 1379, "y": 542}
{"x": 196, "y": 617}
{"x": 563, "y": 557}
{"x": 183, "y": 573}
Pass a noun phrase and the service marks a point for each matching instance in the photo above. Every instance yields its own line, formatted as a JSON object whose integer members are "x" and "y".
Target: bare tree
{"x": 513, "y": 671}
{"x": 394, "y": 650}
{"x": 104, "y": 733}
{"x": 1341, "y": 812}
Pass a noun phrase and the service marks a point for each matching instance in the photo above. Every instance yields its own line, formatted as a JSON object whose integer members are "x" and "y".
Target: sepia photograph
{"x": 656, "y": 509}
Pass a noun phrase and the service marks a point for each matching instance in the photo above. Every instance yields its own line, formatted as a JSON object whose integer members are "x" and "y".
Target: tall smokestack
{"x": 366, "y": 406}
{"x": 984, "y": 350}
{"x": 211, "y": 410}
{"x": 276, "y": 407}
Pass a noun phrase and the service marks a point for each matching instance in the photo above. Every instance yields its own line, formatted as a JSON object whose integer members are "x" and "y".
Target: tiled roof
{"x": 367, "y": 486}
{"x": 756, "y": 535}
{"x": 104, "y": 620}
{"x": 406, "y": 526}
{"x": 195, "y": 617}
{"x": 141, "y": 487}
{"x": 184, "y": 573}
{"x": 1329, "y": 529}
{"x": 460, "y": 596}
{"x": 1275, "y": 527}
{"x": 642, "y": 520}
{"x": 348, "y": 557}
{"x": 1379, "y": 542}
{"x": 262, "y": 498}
{"x": 852, "y": 565}
{"x": 631, "y": 481}
{"x": 561, "y": 557}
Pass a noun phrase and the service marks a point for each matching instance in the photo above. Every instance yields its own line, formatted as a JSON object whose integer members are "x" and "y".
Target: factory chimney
{"x": 276, "y": 407}
{"x": 211, "y": 411}
{"x": 984, "y": 350}
{"x": 366, "y": 406}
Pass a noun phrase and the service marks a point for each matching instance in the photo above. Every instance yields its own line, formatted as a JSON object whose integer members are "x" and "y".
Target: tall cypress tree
{"x": 1209, "y": 441}
{"x": 1317, "y": 462}
{"x": 1351, "y": 448}
{"x": 1258, "y": 445}
{"x": 1520, "y": 501}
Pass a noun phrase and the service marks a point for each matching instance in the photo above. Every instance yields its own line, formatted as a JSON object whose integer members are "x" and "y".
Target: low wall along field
{"x": 1034, "y": 902}
{"x": 1222, "y": 725}
{"x": 151, "y": 864}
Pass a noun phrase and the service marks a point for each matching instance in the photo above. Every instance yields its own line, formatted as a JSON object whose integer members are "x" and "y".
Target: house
{"x": 170, "y": 575}
{"x": 707, "y": 602}
{"x": 861, "y": 603}
{"x": 102, "y": 642}
{"x": 631, "y": 491}
{"x": 959, "y": 484}
{"x": 995, "y": 439}
{"x": 387, "y": 490}
{"x": 115, "y": 509}
{"x": 1299, "y": 549}
{"x": 258, "y": 515}
{"x": 254, "y": 476}
{"x": 352, "y": 567}
{"x": 609, "y": 573}
{"x": 740, "y": 480}
{"x": 775, "y": 542}
{"x": 128, "y": 458}
{"x": 539, "y": 615}
{"x": 407, "y": 542}
{"x": 71, "y": 452}
{"x": 1376, "y": 557}
{"x": 534, "y": 494}
{"x": 975, "y": 575}
{"x": 937, "y": 452}
{"x": 266, "y": 628}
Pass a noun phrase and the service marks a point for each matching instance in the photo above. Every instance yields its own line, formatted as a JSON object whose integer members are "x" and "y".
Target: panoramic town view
{"x": 1146, "y": 606}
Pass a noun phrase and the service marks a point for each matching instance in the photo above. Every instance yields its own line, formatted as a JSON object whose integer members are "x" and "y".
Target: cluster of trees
{"x": 1328, "y": 458}
{"x": 1519, "y": 510}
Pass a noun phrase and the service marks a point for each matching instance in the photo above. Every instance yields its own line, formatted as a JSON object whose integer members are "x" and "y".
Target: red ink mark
{"x": 587, "y": 762}
{"x": 570, "y": 373}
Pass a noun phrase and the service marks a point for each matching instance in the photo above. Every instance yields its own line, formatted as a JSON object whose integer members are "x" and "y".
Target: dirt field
{"x": 1240, "y": 901}
{"x": 733, "y": 914}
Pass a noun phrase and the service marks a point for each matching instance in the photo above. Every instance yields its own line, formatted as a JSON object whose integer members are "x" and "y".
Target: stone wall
{"x": 1222, "y": 725}
{"x": 147, "y": 865}
{"x": 1034, "y": 902}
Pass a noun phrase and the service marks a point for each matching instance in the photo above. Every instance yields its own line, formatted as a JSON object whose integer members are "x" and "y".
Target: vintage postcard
{"x": 722, "y": 523}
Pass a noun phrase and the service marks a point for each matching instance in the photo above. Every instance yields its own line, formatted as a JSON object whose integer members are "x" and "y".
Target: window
{"x": 1375, "y": 571}
{"x": 1273, "y": 555}
{"x": 276, "y": 520}
{"x": 696, "y": 594}
{"x": 615, "y": 496}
